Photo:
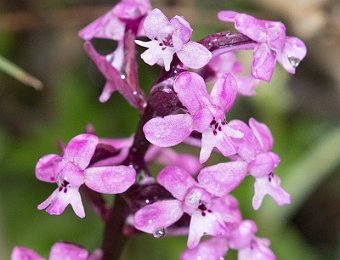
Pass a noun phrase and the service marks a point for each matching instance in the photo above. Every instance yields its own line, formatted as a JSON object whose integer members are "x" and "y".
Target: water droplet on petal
{"x": 294, "y": 61}
{"x": 122, "y": 76}
{"x": 160, "y": 233}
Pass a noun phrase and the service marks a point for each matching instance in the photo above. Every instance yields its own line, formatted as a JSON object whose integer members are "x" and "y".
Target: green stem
{"x": 19, "y": 74}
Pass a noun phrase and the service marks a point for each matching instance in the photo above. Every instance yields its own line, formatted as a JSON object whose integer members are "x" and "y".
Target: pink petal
{"x": 292, "y": 54}
{"x": 246, "y": 85}
{"x": 262, "y": 165}
{"x": 208, "y": 142}
{"x": 156, "y": 53}
{"x": 242, "y": 235}
{"x": 63, "y": 251}
{"x": 158, "y": 215}
{"x": 222, "y": 178}
{"x": 45, "y": 168}
{"x": 202, "y": 119}
{"x": 209, "y": 224}
{"x": 251, "y": 27}
{"x": 112, "y": 76}
{"x": 107, "y": 26}
{"x": 276, "y": 35}
{"x": 169, "y": 157}
{"x": 262, "y": 133}
{"x": 259, "y": 250}
{"x": 59, "y": 200}
{"x": 227, "y": 16}
{"x": 247, "y": 146}
{"x": 224, "y": 92}
{"x": 155, "y": 24}
{"x": 212, "y": 249}
{"x": 263, "y": 63}
{"x": 191, "y": 91}
{"x": 80, "y": 150}
{"x": 176, "y": 180}
{"x": 183, "y": 29}
{"x": 168, "y": 131}
{"x": 23, "y": 253}
{"x": 271, "y": 186}
{"x": 110, "y": 179}
{"x": 194, "y": 55}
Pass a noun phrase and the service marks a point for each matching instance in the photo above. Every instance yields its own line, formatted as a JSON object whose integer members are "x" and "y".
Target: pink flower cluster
{"x": 186, "y": 197}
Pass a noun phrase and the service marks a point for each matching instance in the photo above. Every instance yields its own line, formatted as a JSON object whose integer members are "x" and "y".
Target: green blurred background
{"x": 302, "y": 111}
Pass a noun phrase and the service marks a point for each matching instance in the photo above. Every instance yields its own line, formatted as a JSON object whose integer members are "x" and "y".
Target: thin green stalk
{"x": 19, "y": 74}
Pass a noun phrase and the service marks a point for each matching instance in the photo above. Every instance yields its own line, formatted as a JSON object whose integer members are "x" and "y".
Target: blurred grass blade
{"x": 19, "y": 74}
{"x": 306, "y": 174}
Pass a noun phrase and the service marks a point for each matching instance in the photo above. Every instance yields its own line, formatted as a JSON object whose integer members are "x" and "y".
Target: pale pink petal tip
{"x": 212, "y": 249}
{"x": 62, "y": 250}
{"x": 23, "y": 253}
{"x": 158, "y": 216}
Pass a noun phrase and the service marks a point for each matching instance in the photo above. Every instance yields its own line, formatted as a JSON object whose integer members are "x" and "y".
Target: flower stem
{"x": 114, "y": 239}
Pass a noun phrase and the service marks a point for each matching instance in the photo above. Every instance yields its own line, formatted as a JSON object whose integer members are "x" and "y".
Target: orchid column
{"x": 189, "y": 196}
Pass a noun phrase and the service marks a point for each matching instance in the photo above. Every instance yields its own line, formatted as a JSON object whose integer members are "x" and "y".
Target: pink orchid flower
{"x": 59, "y": 251}
{"x": 170, "y": 37}
{"x": 71, "y": 171}
{"x": 273, "y": 44}
{"x": 207, "y": 202}
{"x": 206, "y": 114}
{"x": 255, "y": 148}
{"x": 227, "y": 63}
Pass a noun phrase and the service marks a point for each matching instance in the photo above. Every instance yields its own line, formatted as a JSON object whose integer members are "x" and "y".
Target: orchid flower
{"x": 206, "y": 114}
{"x": 272, "y": 43}
{"x": 59, "y": 251}
{"x": 227, "y": 63}
{"x": 255, "y": 148}
{"x": 170, "y": 37}
{"x": 71, "y": 171}
{"x": 207, "y": 202}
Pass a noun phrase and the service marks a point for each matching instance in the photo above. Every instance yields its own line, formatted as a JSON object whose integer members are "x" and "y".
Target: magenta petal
{"x": 242, "y": 235}
{"x": 169, "y": 157}
{"x": 211, "y": 249}
{"x": 158, "y": 215}
{"x": 106, "y": 26}
{"x": 202, "y": 119}
{"x": 222, "y": 178}
{"x": 262, "y": 165}
{"x": 168, "y": 131}
{"x": 224, "y": 92}
{"x": 155, "y": 23}
{"x": 252, "y": 27}
{"x": 59, "y": 200}
{"x": 111, "y": 179}
{"x": 176, "y": 180}
{"x": 112, "y": 76}
{"x": 23, "y": 253}
{"x": 292, "y": 54}
{"x": 80, "y": 150}
{"x": 191, "y": 91}
{"x": 211, "y": 224}
{"x": 194, "y": 55}
{"x": 269, "y": 185}
{"x": 227, "y": 16}
{"x": 263, "y": 62}
{"x": 183, "y": 29}
{"x": 63, "y": 251}
{"x": 45, "y": 168}
{"x": 262, "y": 133}
{"x": 258, "y": 250}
